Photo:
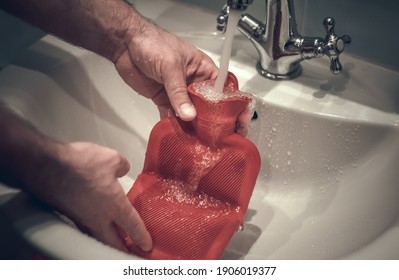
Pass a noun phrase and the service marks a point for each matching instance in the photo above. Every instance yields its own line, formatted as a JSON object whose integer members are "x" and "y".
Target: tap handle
{"x": 334, "y": 45}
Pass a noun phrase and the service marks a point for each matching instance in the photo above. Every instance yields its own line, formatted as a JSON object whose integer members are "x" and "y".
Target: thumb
{"x": 176, "y": 88}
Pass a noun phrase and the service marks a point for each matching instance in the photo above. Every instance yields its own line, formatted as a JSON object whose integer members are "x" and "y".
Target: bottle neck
{"x": 216, "y": 119}
{"x": 214, "y": 128}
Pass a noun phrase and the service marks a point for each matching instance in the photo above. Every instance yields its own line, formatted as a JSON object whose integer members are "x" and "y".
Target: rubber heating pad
{"x": 198, "y": 177}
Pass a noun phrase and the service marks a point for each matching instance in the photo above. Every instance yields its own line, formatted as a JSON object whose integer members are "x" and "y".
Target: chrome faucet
{"x": 281, "y": 48}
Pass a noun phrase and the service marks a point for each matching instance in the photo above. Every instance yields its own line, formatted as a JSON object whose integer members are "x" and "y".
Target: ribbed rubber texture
{"x": 192, "y": 196}
{"x": 186, "y": 223}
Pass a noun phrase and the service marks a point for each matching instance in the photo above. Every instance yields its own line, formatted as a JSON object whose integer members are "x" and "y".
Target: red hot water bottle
{"x": 197, "y": 178}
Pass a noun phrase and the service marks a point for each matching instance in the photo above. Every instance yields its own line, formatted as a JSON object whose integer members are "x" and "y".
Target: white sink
{"x": 328, "y": 187}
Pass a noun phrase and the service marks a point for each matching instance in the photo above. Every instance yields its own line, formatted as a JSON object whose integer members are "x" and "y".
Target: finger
{"x": 244, "y": 120}
{"x": 166, "y": 112}
{"x": 123, "y": 167}
{"x": 109, "y": 236}
{"x": 131, "y": 223}
{"x": 207, "y": 70}
{"x": 162, "y": 101}
{"x": 176, "y": 88}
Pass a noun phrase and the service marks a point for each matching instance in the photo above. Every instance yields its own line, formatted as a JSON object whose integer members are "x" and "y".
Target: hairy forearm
{"x": 102, "y": 26}
{"x": 26, "y": 156}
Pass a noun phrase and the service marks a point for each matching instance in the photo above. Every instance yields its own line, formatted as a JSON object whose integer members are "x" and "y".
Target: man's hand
{"x": 159, "y": 66}
{"x": 89, "y": 193}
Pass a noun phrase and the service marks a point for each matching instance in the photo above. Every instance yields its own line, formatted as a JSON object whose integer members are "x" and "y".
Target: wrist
{"x": 28, "y": 158}
{"x": 113, "y": 33}
{"x": 139, "y": 28}
{"x": 41, "y": 168}
{"x": 105, "y": 33}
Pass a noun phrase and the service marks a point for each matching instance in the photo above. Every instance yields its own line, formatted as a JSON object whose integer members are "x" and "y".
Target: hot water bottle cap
{"x": 197, "y": 178}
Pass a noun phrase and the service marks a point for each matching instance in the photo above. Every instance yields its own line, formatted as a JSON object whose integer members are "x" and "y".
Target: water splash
{"x": 207, "y": 90}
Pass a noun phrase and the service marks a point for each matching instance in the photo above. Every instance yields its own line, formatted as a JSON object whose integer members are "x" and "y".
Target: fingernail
{"x": 187, "y": 111}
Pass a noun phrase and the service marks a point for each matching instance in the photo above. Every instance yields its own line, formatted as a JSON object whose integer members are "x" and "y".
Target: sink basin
{"x": 328, "y": 185}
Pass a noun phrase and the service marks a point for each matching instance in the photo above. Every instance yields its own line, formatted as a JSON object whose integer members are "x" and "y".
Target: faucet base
{"x": 276, "y": 77}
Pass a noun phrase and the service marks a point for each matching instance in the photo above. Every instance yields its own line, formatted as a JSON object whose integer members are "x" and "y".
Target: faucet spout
{"x": 280, "y": 46}
{"x": 239, "y": 4}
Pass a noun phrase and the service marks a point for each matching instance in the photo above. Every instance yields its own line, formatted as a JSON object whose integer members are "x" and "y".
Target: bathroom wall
{"x": 373, "y": 25}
